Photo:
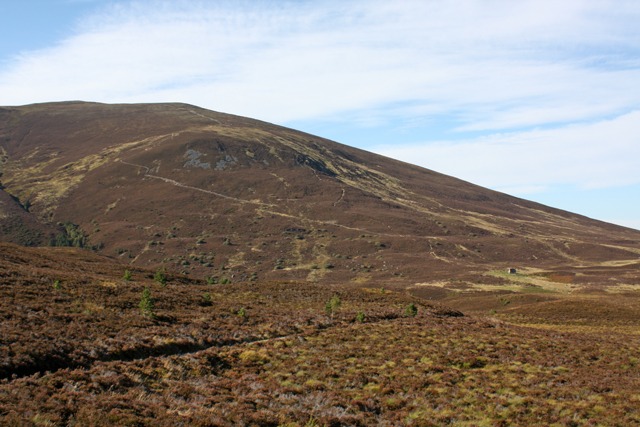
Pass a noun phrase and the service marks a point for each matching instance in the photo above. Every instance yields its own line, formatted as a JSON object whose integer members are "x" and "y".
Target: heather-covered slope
{"x": 212, "y": 194}
{"x": 78, "y": 348}
{"x": 19, "y": 226}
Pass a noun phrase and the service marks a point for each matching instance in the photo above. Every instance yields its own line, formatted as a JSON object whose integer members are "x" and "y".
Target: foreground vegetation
{"x": 85, "y": 343}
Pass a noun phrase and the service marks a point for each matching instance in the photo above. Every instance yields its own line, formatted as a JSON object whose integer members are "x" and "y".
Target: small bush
{"x": 146, "y": 304}
{"x": 360, "y": 317}
{"x": 411, "y": 310}
{"x": 332, "y": 305}
{"x": 56, "y": 285}
{"x": 127, "y": 275}
{"x": 206, "y": 299}
{"x": 160, "y": 277}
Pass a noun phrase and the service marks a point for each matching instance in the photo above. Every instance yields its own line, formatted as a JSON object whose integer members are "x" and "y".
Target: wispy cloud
{"x": 588, "y": 156}
{"x": 496, "y": 65}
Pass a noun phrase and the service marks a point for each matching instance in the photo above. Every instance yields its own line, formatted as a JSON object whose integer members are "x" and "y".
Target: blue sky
{"x": 535, "y": 98}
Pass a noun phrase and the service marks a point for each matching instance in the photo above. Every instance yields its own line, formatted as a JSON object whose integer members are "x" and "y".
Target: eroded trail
{"x": 270, "y": 207}
{"x": 59, "y": 360}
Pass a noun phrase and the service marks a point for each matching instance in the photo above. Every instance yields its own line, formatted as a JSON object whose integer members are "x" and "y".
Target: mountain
{"x": 214, "y": 195}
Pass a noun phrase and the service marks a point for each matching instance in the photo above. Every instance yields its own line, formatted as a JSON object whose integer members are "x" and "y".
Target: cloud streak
{"x": 587, "y": 156}
{"x": 495, "y": 65}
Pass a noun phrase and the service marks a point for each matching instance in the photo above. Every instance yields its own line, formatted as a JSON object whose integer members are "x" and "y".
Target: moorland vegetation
{"x": 88, "y": 352}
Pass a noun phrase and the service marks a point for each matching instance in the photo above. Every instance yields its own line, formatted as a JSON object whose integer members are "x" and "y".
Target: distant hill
{"x": 236, "y": 199}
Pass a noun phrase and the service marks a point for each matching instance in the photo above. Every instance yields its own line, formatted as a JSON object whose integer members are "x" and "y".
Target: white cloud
{"x": 494, "y": 65}
{"x": 589, "y": 156}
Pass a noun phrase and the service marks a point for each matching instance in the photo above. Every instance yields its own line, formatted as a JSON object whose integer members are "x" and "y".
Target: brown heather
{"x": 85, "y": 355}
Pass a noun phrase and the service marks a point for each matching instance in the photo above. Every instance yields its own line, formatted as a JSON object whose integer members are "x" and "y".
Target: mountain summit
{"x": 214, "y": 195}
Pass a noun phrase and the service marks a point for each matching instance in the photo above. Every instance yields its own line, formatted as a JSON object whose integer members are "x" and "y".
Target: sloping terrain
{"x": 214, "y": 195}
{"x": 240, "y": 273}
{"x": 78, "y": 347}
{"x": 18, "y": 226}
